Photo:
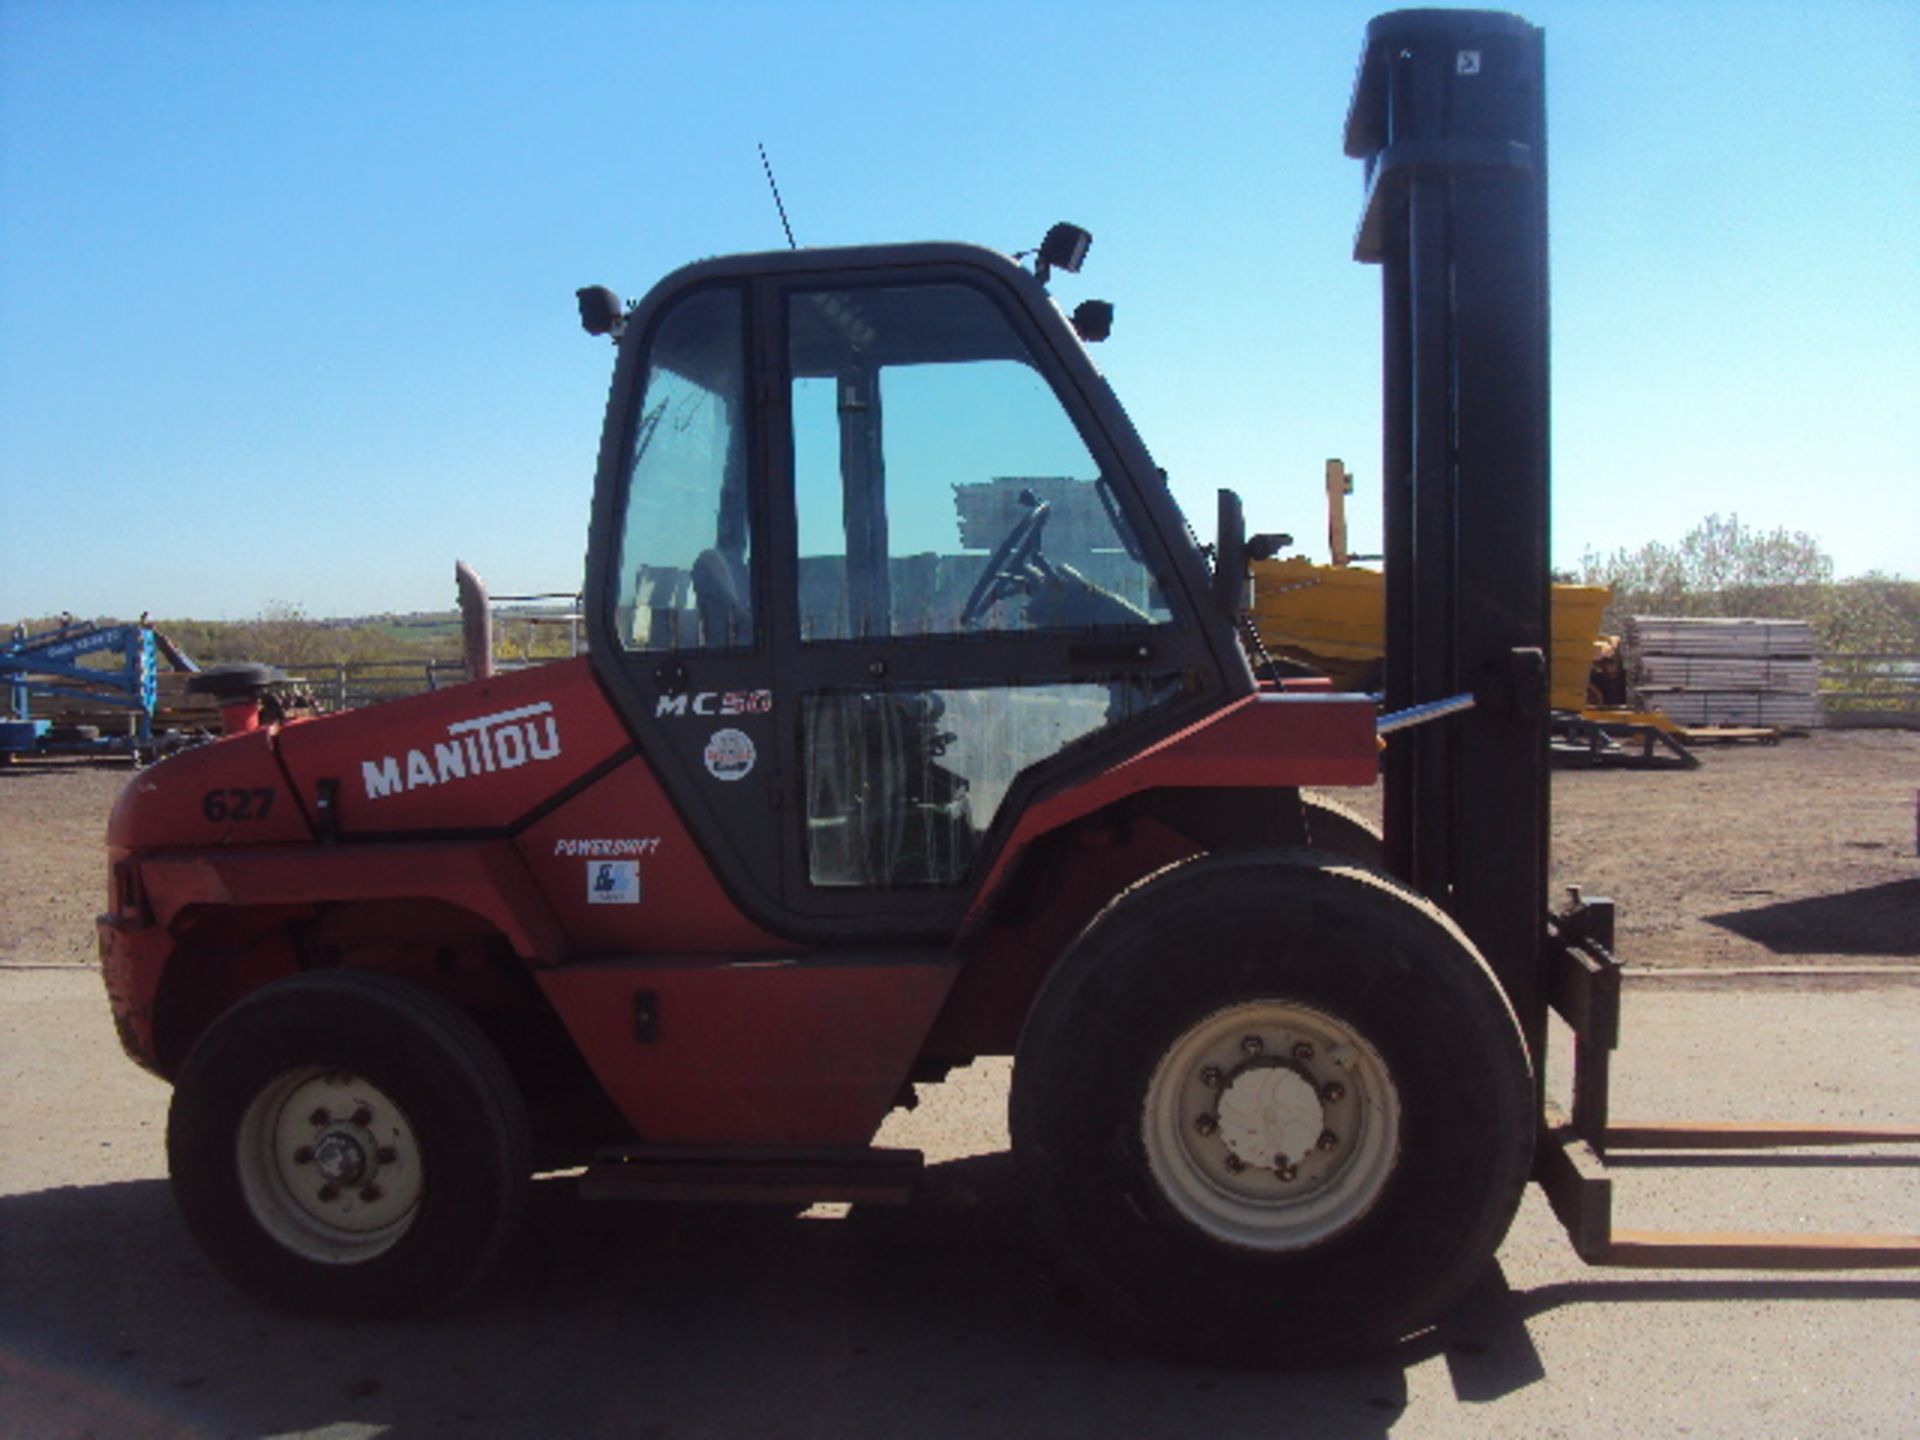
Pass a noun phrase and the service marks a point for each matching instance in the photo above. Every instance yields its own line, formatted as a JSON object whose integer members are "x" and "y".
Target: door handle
{"x": 1110, "y": 652}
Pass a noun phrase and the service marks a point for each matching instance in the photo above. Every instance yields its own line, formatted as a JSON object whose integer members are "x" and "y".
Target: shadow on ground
{"x": 659, "y": 1322}
{"x": 644, "y": 1321}
{"x": 1877, "y": 920}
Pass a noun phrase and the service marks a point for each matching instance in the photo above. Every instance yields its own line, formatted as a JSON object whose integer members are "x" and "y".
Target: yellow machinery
{"x": 1331, "y": 619}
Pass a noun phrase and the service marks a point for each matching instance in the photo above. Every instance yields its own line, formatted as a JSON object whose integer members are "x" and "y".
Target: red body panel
{"x": 228, "y": 793}
{"x": 1009, "y": 958}
{"x": 132, "y": 958}
{"x": 1266, "y": 741}
{"x": 218, "y": 830}
{"x": 484, "y": 876}
{"x": 623, "y": 876}
{"x": 751, "y": 1053}
{"x": 702, "y": 1027}
{"x": 139, "y": 942}
{"x": 476, "y": 757}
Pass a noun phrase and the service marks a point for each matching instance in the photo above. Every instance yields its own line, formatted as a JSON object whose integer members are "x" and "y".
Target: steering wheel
{"x": 1015, "y": 564}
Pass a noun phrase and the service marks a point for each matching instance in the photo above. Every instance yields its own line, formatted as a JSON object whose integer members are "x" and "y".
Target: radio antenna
{"x": 778, "y": 204}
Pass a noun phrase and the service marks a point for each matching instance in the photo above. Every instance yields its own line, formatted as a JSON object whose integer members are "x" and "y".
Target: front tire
{"x": 1333, "y": 828}
{"x": 342, "y": 1143}
{"x": 1272, "y": 1110}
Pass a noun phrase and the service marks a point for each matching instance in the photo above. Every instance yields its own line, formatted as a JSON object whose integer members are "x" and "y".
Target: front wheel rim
{"x": 1271, "y": 1125}
{"x": 329, "y": 1166}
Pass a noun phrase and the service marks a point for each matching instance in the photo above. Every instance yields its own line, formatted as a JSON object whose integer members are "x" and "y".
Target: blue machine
{"x": 47, "y": 664}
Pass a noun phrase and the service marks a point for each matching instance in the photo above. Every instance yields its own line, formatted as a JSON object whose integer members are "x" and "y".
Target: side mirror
{"x": 1065, "y": 246}
{"x": 1093, "y": 320}
{"x": 1230, "y": 557}
{"x": 601, "y": 312}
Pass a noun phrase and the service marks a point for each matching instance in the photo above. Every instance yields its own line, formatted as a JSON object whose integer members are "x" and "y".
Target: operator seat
{"x": 722, "y": 596}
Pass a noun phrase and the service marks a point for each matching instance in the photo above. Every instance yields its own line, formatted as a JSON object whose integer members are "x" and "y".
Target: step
{"x": 753, "y": 1176}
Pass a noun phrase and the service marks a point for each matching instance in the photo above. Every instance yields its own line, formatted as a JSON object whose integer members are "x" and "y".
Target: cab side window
{"x": 939, "y": 486}
{"x": 685, "y": 577}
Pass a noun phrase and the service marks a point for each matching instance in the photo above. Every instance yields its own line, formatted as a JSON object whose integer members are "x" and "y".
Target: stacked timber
{"x": 1738, "y": 672}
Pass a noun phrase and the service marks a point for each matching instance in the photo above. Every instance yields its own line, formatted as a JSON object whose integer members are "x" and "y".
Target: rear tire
{"x": 1272, "y": 1111}
{"x": 343, "y": 1143}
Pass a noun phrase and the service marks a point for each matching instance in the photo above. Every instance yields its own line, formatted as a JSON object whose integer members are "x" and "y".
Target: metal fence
{"x": 529, "y": 630}
{"x": 367, "y": 682}
{"x": 1865, "y": 690}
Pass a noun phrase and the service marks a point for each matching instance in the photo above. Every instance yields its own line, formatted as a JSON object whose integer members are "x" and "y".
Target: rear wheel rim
{"x": 1271, "y": 1125}
{"x": 329, "y": 1166}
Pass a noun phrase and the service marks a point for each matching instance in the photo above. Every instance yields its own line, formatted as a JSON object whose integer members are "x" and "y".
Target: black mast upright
{"x": 1449, "y": 114}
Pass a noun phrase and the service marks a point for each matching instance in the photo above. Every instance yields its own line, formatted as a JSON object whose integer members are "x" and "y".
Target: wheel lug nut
{"x": 1302, "y": 1051}
{"x": 363, "y": 1117}
{"x": 1287, "y": 1173}
{"x": 1333, "y": 1092}
{"x": 1329, "y": 1140}
{"x": 1210, "y": 1076}
{"x": 1235, "y": 1163}
{"x": 329, "y": 1192}
{"x": 303, "y": 1156}
{"x": 1206, "y": 1124}
{"x": 320, "y": 1117}
{"x": 1253, "y": 1044}
{"x": 386, "y": 1155}
{"x": 369, "y": 1193}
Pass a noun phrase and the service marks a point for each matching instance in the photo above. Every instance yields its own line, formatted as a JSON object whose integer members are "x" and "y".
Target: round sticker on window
{"x": 730, "y": 754}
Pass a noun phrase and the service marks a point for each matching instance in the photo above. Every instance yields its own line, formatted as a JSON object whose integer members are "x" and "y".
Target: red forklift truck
{"x": 917, "y": 727}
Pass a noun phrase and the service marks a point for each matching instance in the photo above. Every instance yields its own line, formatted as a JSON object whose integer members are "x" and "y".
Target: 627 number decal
{"x": 222, "y": 805}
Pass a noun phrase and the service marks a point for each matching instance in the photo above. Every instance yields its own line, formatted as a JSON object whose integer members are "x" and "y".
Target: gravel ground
{"x": 53, "y": 860}
{"x": 1800, "y": 853}
{"x": 1796, "y": 853}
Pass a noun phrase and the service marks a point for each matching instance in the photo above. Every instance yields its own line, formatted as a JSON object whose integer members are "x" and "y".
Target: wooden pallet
{"x": 1730, "y": 734}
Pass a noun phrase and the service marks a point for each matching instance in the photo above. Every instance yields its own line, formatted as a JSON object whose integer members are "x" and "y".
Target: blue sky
{"x": 286, "y": 308}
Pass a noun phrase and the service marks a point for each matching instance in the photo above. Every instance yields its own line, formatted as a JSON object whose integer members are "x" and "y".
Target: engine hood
{"x": 477, "y": 757}
{"x": 231, "y": 792}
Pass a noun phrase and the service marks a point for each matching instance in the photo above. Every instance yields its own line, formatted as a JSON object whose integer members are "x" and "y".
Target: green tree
{"x": 283, "y": 634}
{"x": 1875, "y": 614}
{"x": 1720, "y": 567}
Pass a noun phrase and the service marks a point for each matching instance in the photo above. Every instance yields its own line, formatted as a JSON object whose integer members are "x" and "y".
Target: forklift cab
{"x": 876, "y": 556}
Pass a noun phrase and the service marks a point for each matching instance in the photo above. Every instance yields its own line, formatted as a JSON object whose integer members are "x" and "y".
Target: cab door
{"x": 677, "y": 575}
{"x": 969, "y": 604}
